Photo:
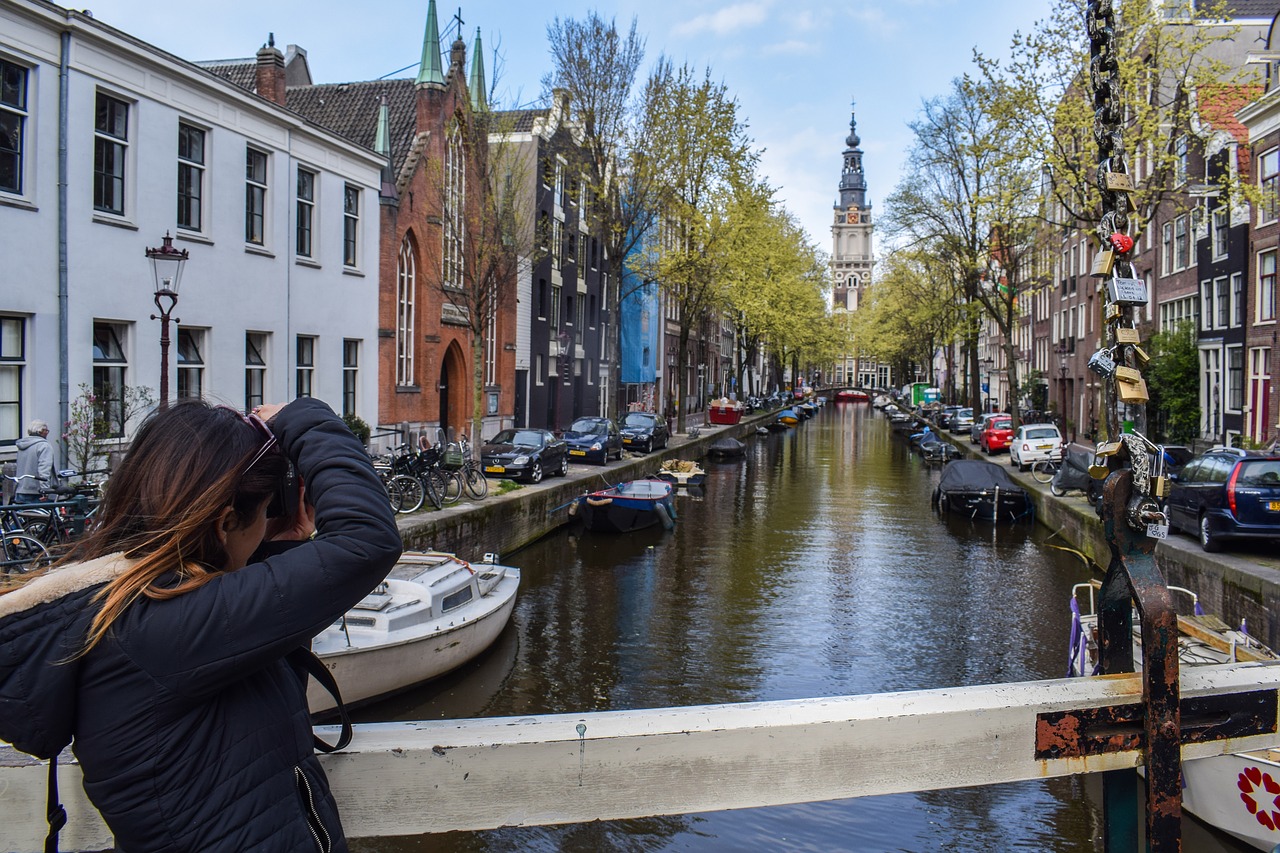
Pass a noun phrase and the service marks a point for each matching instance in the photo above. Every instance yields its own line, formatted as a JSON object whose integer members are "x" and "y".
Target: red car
{"x": 998, "y": 435}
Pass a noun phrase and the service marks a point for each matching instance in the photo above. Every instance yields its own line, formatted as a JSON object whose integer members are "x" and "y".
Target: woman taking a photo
{"x": 172, "y": 651}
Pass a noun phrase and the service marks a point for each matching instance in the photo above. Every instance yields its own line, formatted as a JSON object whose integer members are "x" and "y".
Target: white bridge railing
{"x": 426, "y": 777}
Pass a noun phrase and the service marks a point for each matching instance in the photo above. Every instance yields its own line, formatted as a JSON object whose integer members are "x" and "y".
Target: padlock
{"x": 1159, "y": 487}
{"x": 1128, "y": 336}
{"x": 1102, "y": 363}
{"x": 1118, "y": 182}
{"x": 1127, "y": 291}
{"x": 1128, "y": 374}
{"x": 1141, "y": 354}
{"x": 1103, "y": 263}
{"x": 1099, "y": 472}
{"x": 1131, "y": 392}
{"x": 1114, "y": 312}
{"x": 1108, "y": 448}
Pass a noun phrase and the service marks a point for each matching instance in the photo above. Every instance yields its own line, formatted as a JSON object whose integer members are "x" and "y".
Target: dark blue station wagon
{"x": 1226, "y": 494}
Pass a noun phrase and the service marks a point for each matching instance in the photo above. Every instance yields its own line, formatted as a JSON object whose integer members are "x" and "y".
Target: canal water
{"x": 813, "y": 567}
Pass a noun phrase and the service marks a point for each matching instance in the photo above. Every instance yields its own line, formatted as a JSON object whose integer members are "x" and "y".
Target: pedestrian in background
{"x": 34, "y": 464}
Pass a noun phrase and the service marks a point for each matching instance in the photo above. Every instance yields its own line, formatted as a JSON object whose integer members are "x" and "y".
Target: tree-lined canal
{"x": 814, "y": 567}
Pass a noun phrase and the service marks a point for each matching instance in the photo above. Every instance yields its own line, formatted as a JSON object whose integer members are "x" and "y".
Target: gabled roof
{"x": 1253, "y": 8}
{"x": 351, "y": 111}
{"x": 1219, "y": 105}
{"x": 519, "y": 121}
{"x": 241, "y": 72}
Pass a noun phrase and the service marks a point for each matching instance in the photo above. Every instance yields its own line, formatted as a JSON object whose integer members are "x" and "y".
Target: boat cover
{"x": 975, "y": 475}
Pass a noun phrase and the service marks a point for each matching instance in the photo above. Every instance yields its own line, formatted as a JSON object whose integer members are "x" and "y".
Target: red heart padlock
{"x": 1122, "y": 243}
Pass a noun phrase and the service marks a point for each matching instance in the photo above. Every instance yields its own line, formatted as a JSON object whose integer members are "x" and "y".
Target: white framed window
{"x": 1265, "y": 304}
{"x": 1181, "y": 243}
{"x": 350, "y": 374}
{"x": 1180, "y": 149}
{"x": 305, "y": 366}
{"x": 1222, "y": 302}
{"x": 13, "y": 363}
{"x": 110, "y": 150}
{"x": 1167, "y": 246}
{"x": 491, "y": 343}
{"x": 255, "y": 196}
{"x": 350, "y": 225}
{"x": 305, "y": 210}
{"x": 190, "y": 363}
{"x": 1269, "y": 183}
{"x": 406, "y": 296}
{"x": 1237, "y": 300}
{"x": 1220, "y": 226}
{"x": 557, "y": 243}
{"x": 1206, "y": 305}
{"x": 1259, "y": 394}
{"x": 539, "y": 370}
{"x": 110, "y": 372}
{"x": 455, "y": 195}
{"x": 191, "y": 164}
{"x": 1235, "y": 378}
{"x": 14, "y": 113}
{"x": 255, "y": 369}
{"x": 555, "y": 306}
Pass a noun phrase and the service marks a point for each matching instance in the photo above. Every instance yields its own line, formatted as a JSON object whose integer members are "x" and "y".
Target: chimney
{"x": 269, "y": 80}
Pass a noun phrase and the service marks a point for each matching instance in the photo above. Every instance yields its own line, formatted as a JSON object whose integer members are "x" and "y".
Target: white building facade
{"x": 280, "y": 296}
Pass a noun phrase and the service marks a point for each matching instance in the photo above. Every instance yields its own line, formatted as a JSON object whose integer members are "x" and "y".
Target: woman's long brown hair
{"x": 185, "y": 466}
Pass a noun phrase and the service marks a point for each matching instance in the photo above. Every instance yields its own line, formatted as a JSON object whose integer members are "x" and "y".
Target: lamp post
{"x": 1062, "y": 391}
{"x": 166, "y": 268}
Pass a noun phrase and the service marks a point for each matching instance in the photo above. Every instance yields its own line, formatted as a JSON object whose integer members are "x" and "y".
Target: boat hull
{"x": 621, "y": 515}
{"x": 986, "y": 505}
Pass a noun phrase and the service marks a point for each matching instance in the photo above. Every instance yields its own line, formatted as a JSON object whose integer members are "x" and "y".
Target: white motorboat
{"x": 408, "y": 631}
{"x": 1239, "y": 793}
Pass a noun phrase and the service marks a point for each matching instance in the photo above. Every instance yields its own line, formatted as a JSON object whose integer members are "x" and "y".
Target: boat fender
{"x": 668, "y": 523}
{"x": 573, "y": 509}
{"x": 599, "y": 501}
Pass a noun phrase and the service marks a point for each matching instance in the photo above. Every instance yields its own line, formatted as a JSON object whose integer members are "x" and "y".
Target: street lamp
{"x": 166, "y": 268}
{"x": 1062, "y": 390}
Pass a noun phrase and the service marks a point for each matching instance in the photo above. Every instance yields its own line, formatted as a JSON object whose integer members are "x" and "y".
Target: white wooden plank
{"x": 423, "y": 777}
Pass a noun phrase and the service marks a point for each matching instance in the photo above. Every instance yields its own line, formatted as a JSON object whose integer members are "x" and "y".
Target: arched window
{"x": 455, "y": 200}
{"x": 406, "y": 295}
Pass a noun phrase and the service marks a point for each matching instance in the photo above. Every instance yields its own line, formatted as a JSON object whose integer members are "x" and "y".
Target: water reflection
{"x": 812, "y": 567}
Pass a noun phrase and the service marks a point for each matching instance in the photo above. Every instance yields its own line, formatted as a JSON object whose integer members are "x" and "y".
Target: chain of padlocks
{"x": 1121, "y": 358}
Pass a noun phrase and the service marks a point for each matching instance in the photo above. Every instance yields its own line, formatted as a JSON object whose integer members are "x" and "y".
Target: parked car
{"x": 645, "y": 431}
{"x": 948, "y": 412}
{"x": 1227, "y": 493}
{"x": 525, "y": 454}
{"x": 961, "y": 421}
{"x": 593, "y": 440}
{"x": 1034, "y": 442}
{"x": 980, "y": 423}
{"x": 996, "y": 435}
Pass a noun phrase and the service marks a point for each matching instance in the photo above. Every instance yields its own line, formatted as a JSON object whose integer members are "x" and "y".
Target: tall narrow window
{"x": 13, "y": 359}
{"x": 306, "y": 211}
{"x": 1221, "y": 225}
{"x": 350, "y": 373}
{"x": 190, "y": 364}
{"x": 1269, "y": 183}
{"x": 555, "y": 306}
{"x": 190, "y": 177}
{"x": 1237, "y": 299}
{"x": 255, "y": 197}
{"x": 255, "y": 369}
{"x": 110, "y": 144}
{"x": 1180, "y": 161}
{"x": 1222, "y": 300}
{"x": 455, "y": 195}
{"x": 13, "y": 126}
{"x": 109, "y": 374}
{"x": 1167, "y": 246}
{"x": 1181, "y": 244}
{"x": 1266, "y": 304}
{"x": 406, "y": 295}
{"x": 306, "y": 365}
{"x": 491, "y": 343}
{"x": 350, "y": 224}
{"x": 1235, "y": 378}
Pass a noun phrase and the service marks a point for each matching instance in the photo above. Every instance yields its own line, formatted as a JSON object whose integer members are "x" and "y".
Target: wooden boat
{"x": 982, "y": 490}
{"x": 724, "y": 412}
{"x": 633, "y": 505}
{"x": 682, "y": 472}
{"x": 726, "y": 448}
{"x": 851, "y": 395}
{"x": 1238, "y": 793}
{"x": 408, "y": 631}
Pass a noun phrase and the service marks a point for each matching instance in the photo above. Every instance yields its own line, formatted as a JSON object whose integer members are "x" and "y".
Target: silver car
{"x": 961, "y": 421}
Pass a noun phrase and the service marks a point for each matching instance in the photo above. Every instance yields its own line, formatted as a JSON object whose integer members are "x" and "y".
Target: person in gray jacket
{"x": 35, "y": 464}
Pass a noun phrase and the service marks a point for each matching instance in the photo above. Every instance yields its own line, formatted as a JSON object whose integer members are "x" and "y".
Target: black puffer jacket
{"x": 189, "y": 722}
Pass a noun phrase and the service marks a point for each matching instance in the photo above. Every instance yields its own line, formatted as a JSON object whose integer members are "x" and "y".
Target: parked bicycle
{"x": 471, "y": 471}
{"x": 404, "y": 490}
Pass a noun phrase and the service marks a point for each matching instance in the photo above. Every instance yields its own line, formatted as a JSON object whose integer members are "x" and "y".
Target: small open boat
{"x": 982, "y": 490}
{"x": 406, "y": 632}
{"x": 682, "y": 472}
{"x": 851, "y": 395}
{"x": 788, "y": 417}
{"x": 629, "y": 506}
{"x": 1237, "y": 793}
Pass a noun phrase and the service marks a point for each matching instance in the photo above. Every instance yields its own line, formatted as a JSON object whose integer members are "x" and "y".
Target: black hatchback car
{"x": 644, "y": 431}
{"x": 525, "y": 454}
{"x": 1225, "y": 494}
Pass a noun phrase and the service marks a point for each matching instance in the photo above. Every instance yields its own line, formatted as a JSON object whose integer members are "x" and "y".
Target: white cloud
{"x": 724, "y": 21}
{"x": 791, "y": 46}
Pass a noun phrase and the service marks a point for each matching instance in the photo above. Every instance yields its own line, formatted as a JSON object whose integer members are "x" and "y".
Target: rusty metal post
{"x": 1132, "y": 575}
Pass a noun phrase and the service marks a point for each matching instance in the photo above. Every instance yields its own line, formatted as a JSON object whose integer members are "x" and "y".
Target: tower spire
{"x": 477, "y": 83}
{"x": 431, "y": 71}
{"x": 853, "y": 182}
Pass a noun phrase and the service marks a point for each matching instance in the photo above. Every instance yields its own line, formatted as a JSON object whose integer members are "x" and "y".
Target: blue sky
{"x": 794, "y": 65}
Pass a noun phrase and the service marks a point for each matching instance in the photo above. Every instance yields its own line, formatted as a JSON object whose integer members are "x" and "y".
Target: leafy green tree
{"x": 1173, "y": 381}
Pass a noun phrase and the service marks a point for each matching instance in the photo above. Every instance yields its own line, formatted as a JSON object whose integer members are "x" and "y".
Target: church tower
{"x": 852, "y": 258}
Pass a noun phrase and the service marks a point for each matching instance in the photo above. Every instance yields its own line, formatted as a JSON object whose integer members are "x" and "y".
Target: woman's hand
{"x": 298, "y": 527}
{"x": 267, "y": 411}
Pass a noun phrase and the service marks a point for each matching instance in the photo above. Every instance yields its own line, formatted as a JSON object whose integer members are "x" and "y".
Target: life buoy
{"x": 599, "y": 501}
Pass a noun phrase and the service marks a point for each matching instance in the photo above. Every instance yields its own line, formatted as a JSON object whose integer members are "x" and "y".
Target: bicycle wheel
{"x": 23, "y": 554}
{"x": 476, "y": 482}
{"x": 433, "y": 481}
{"x": 1044, "y": 470}
{"x": 409, "y": 490}
{"x": 453, "y": 487}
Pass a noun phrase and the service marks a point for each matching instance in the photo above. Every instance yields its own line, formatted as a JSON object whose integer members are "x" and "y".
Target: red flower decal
{"x": 1252, "y": 784}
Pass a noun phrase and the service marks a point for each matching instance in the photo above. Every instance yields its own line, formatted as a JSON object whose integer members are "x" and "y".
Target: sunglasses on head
{"x": 285, "y": 500}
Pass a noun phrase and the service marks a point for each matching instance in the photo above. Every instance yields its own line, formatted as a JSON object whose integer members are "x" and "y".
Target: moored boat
{"x": 726, "y": 448}
{"x": 633, "y": 505}
{"x": 788, "y": 417}
{"x": 981, "y": 490}
{"x": 682, "y": 472}
{"x": 851, "y": 395}
{"x": 408, "y": 631}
